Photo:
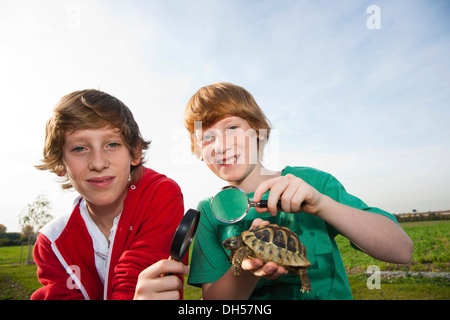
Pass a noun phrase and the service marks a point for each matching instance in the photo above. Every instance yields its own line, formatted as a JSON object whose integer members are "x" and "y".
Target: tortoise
{"x": 270, "y": 243}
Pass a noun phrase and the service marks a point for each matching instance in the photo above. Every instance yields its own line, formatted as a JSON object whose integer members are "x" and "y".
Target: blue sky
{"x": 370, "y": 106}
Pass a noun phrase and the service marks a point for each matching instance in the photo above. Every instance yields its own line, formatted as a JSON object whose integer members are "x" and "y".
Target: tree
{"x": 27, "y": 233}
{"x": 32, "y": 218}
{"x": 36, "y": 214}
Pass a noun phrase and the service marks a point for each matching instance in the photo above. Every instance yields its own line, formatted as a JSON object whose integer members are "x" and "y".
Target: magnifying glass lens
{"x": 230, "y": 205}
{"x": 184, "y": 234}
{"x": 188, "y": 238}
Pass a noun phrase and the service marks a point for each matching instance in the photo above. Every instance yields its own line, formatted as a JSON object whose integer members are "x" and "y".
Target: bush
{"x": 10, "y": 239}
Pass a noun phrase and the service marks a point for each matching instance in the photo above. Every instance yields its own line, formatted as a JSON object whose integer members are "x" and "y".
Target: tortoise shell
{"x": 278, "y": 244}
{"x": 270, "y": 243}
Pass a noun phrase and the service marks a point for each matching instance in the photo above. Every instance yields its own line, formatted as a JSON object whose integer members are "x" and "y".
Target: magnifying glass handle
{"x": 263, "y": 204}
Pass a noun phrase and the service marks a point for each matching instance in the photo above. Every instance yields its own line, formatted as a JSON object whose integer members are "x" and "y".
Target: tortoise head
{"x": 233, "y": 243}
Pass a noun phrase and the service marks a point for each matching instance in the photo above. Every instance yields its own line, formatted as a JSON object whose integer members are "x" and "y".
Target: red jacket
{"x": 64, "y": 250}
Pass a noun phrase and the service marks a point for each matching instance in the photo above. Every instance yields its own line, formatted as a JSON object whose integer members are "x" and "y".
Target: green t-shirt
{"x": 210, "y": 260}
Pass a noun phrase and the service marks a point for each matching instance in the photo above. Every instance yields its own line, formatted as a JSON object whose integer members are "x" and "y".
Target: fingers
{"x": 293, "y": 197}
{"x": 152, "y": 285}
{"x": 286, "y": 188}
{"x": 161, "y": 288}
{"x": 294, "y": 194}
{"x": 258, "y": 222}
{"x": 263, "y": 187}
{"x": 270, "y": 270}
{"x": 163, "y": 267}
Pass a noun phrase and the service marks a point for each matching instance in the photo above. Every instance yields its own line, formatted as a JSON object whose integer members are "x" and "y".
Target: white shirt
{"x": 102, "y": 248}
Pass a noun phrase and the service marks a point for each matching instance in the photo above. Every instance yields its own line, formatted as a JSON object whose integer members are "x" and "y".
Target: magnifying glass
{"x": 232, "y": 204}
{"x": 185, "y": 233}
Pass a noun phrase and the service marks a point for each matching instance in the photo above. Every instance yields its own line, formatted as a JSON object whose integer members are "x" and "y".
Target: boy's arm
{"x": 375, "y": 234}
{"x": 51, "y": 274}
{"x": 230, "y": 287}
{"x": 240, "y": 287}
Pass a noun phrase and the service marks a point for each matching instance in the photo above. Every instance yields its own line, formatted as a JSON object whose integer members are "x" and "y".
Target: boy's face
{"x": 229, "y": 148}
{"x": 97, "y": 163}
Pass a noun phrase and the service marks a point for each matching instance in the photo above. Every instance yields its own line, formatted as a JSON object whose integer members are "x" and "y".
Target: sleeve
{"x": 51, "y": 274}
{"x": 209, "y": 261}
{"x": 152, "y": 241}
{"x": 335, "y": 190}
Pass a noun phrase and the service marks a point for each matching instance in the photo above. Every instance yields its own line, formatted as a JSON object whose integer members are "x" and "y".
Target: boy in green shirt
{"x": 228, "y": 132}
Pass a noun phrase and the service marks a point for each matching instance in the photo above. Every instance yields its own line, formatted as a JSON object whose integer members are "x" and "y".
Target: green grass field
{"x": 431, "y": 249}
{"x": 431, "y": 253}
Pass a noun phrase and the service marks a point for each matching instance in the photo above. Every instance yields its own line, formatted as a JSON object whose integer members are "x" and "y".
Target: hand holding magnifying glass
{"x": 232, "y": 204}
{"x": 149, "y": 281}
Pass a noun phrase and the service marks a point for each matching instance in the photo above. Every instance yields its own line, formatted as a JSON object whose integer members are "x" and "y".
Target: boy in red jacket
{"x": 115, "y": 242}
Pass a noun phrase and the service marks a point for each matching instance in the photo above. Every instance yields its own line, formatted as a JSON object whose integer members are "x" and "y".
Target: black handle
{"x": 263, "y": 204}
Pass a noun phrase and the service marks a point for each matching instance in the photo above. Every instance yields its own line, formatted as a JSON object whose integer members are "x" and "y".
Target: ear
{"x": 136, "y": 160}
{"x": 62, "y": 173}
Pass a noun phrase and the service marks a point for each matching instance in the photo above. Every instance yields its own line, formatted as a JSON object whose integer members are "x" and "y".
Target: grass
{"x": 409, "y": 288}
{"x": 18, "y": 282}
{"x": 11, "y": 255}
{"x": 431, "y": 253}
{"x": 431, "y": 250}
{"x": 191, "y": 292}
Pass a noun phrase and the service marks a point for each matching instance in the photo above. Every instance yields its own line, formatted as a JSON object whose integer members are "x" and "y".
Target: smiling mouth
{"x": 100, "y": 181}
{"x": 228, "y": 161}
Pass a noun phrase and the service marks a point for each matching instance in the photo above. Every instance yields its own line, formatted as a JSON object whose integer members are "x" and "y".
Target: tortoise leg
{"x": 306, "y": 285}
{"x": 238, "y": 257}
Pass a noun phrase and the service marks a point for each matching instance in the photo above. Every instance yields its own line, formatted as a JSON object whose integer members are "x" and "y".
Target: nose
{"x": 217, "y": 148}
{"x": 222, "y": 144}
{"x": 98, "y": 160}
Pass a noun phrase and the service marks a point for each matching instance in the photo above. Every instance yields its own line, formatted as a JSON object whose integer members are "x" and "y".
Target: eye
{"x": 231, "y": 129}
{"x": 207, "y": 138}
{"x": 113, "y": 145}
{"x": 78, "y": 149}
